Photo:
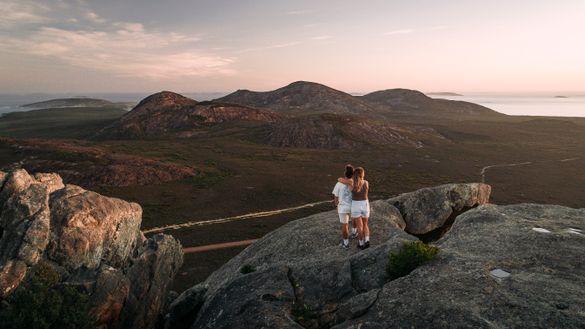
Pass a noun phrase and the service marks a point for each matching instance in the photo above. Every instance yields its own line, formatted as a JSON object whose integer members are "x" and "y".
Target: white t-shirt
{"x": 343, "y": 193}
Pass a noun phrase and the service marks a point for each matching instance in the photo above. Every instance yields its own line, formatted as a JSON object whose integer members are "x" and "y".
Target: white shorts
{"x": 344, "y": 218}
{"x": 360, "y": 209}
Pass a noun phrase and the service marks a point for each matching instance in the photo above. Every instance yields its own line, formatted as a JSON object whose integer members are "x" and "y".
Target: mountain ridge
{"x": 300, "y": 97}
{"x": 170, "y": 114}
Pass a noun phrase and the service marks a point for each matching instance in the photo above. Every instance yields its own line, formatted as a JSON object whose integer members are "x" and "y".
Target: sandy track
{"x": 233, "y": 218}
{"x": 217, "y": 246}
{"x": 486, "y": 168}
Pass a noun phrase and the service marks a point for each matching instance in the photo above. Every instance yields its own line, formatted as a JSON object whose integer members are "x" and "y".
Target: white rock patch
{"x": 499, "y": 274}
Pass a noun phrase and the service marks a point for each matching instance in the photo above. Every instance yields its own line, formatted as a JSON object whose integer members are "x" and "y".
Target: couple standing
{"x": 351, "y": 199}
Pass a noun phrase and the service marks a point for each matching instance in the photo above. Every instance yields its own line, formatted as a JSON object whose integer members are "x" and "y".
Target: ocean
{"x": 543, "y": 105}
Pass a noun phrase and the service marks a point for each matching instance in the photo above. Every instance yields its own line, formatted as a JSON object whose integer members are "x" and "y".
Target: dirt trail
{"x": 485, "y": 169}
{"x": 233, "y": 218}
{"x": 216, "y": 246}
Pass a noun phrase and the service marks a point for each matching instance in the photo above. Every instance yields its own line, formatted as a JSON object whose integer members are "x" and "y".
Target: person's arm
{"x": 335, "y": 195}
{"x": 346, "y": 181}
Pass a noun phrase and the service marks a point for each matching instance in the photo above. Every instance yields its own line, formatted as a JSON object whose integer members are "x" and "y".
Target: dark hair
{"x": 348, "y": 171}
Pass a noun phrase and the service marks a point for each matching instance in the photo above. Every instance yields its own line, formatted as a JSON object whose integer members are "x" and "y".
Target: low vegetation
{"x": 412, "y": 255}
{"x": 40, "y": 303}
{"x": 305, "y": 315}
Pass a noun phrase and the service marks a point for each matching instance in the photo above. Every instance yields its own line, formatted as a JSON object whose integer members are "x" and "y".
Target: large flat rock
{"x": 544, "y": 288}
{"x": 494, "y": 270}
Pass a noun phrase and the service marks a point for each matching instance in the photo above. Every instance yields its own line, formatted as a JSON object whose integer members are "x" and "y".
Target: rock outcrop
{"x": 499, "y": 266}
{"x": 429, "y": 209}
{"x": 93, "y": 241}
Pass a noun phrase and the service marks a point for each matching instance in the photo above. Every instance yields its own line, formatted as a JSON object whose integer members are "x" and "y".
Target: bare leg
{"x": 366, "y": 228}
{"x": 358, "y": 221}
{"x": 345, "y": 231}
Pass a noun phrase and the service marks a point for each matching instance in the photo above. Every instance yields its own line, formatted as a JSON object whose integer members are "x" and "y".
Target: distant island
{"x": 74, "y": 102}
{"x": 561, "y": 96}
{"x": 443, "y": 93}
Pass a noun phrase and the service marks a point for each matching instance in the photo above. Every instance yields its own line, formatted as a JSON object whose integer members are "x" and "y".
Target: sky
{"x": 524, "y": 46}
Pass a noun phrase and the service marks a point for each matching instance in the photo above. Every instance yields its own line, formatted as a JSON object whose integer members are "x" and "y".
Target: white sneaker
{"x": 343, "y": 245}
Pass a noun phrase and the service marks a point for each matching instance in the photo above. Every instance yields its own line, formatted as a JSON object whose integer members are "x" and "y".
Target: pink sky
{"x": 143, "y": 46}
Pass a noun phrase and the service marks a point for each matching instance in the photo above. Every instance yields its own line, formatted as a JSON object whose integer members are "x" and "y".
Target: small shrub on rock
{"x": 247, "y": 269}
{"x": 40, "y": 303}
{"x": 410, "y": 256}
{"x": 305, "y": 315}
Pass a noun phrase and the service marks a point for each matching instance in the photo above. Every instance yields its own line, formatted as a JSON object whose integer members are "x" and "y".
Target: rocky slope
{"x": 92, "y": 241}
{"x": 301, "y": 97}
{"x": 412, "y": 102}
{"x": 167, "y": 114}
{"x": 335, "y": 131}
{"x": 499, "y": 266}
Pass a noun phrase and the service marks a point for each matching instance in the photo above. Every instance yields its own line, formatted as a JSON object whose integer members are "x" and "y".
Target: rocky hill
{"x": 498, "y": 266}
{"x": 170, "y": 114}
{"x": 335, "y": 131}
{"x": 412, "y": 102}
{"x": 70, "y": 102}
{"x": 90, "y": 242}
{"x": 301, "y": 97}
{"x": 302, "y": 114}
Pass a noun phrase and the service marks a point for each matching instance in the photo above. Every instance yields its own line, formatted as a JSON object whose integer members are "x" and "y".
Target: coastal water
{"x": 542, "y": 105}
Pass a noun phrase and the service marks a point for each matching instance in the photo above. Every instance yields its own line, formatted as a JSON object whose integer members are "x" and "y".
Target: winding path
{"x": 485, "y": 169}
{"x": 217, "y": 246}
{"x": 233, "y": 218}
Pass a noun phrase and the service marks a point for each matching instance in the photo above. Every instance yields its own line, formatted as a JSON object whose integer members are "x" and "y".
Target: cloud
{"x": 95, "y": 18}
{"x": 282, "y": 45}
{"x": 15, "y": 13}
{"x": 274, "y": 46}
{"x": 123, "y": 49}
{"x": 397, "y": 32}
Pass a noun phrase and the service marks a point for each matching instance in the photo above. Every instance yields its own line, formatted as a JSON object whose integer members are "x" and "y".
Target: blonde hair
{"x": 358, "y": 178}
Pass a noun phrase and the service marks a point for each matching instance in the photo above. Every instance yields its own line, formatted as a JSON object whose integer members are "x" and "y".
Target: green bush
{"x": 247, "y": 269}
{"x": 410, "y": 256}
{"x": 304, "y": 314}
{"x": 40, "y": 303}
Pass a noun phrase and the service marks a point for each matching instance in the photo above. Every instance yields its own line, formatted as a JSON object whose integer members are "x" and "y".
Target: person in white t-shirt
{"x": 342, "y": 200}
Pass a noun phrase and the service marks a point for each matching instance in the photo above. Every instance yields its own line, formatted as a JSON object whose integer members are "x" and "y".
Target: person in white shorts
{"x": 360, "y": 206}
{"x": 342, "y": 199}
